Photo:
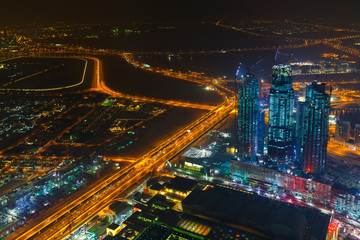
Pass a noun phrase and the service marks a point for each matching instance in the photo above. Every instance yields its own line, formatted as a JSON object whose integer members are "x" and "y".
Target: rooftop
{"x": 197, "y": 153}
{"x": 261, "y": 214}
{"x": 113, "y": 226}
{"x": 181, "y": 184}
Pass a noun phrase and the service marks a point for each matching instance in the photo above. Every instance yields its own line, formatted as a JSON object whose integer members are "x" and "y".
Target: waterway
{"x": 123, "y": 77}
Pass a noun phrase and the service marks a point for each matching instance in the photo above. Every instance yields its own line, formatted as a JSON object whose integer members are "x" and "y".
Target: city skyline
{"x": 138, "y": 120}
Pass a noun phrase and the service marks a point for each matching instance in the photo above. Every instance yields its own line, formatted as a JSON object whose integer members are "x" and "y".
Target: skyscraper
{"x": 280, "y": 116}
{"x": 357, "y": 135}
{"x": 299, "y": 131}
{"x": 248, "y": 116}
{"x": 262, "y": 131}
{"x": 342, "y": 131}
{"x": 316, "y": 126}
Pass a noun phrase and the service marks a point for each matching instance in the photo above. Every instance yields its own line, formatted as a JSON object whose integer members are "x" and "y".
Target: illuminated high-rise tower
{"x": 280, "y": 116}
{"x": 342, "y": 131}
{"x": 357, "y": 135}
{"x": 316, "y": 125}
{"x": 248, "y": 116}
{"x": 299, "y": 130}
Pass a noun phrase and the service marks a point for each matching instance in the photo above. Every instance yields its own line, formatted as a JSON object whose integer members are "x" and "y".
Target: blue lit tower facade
{"x": 280, "y": 116}
{"x": 316, "y": 125}
{"x": 299, "y": 131}
{"x": 248, "y": 117}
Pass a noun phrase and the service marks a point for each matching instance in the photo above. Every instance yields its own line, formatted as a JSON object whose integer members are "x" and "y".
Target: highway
{"x": 97, "y": 85}
{"x": 83, "y": 208}
{"x": 148, "y": 163}
{"x": 100, "y": 86}
{"x": 36, "y": 225}
{"x": 72, "y": 214}
{"x": 343, "y": 153}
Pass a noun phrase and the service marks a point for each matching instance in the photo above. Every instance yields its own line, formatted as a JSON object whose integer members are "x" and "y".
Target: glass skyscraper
{"x": 248, "y": 116}
{"x": 316, "y": 125}
{"x": 342, "y": 131}
{"x": 280, "y": 116}
{"x": 299, "y": 131}
{"x": 357, "y": 135}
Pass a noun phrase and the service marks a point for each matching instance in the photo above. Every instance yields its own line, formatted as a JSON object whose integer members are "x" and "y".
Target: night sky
{"x": 49, "y": 11}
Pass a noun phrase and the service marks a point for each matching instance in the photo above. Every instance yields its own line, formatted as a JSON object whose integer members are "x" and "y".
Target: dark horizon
{"x": 48, "y": 12}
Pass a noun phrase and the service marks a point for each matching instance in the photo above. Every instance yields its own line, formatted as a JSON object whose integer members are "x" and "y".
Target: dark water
{"x": 123, "y": 77}
{"x": 259, "y": 62}
{"x": 119, "y": 75}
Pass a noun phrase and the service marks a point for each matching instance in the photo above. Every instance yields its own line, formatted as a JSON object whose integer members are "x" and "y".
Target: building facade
{"x": 299, "y": 131}
{"x": 357, "y": 135}
{"x": 342, "y": 131}
{"x": 316, "y": 126}
{"x": 248, "y": 116}
{"x": 280, "y": 117}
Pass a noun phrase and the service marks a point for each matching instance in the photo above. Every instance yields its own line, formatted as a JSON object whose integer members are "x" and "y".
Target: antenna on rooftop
{"x": 276, "y": 53}
{"x": 289, "y": 54}
{"x": 256, "y": 63}
{"x": 248, "y": 69}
